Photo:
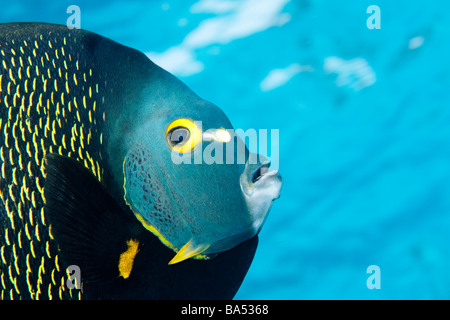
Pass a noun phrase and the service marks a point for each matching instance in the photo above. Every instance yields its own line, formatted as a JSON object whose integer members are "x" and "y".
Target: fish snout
{"x": 260, "y": 188}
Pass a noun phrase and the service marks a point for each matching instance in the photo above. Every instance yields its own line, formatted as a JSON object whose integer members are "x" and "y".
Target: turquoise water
{"x": 364, "y": 125}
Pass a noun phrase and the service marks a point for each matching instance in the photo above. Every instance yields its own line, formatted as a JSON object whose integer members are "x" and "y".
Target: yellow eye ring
{"x": 188, "y": 135}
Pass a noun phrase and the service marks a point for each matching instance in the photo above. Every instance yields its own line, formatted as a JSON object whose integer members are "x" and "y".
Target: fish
{"x": 91, "y": 137}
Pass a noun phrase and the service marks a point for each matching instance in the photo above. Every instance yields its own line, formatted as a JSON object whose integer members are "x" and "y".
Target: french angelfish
{"x": 89, "y": 130}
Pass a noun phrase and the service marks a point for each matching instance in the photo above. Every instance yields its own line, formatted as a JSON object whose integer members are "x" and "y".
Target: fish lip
{"x": 262, "y": 173}
{"x": 260, "y": 179}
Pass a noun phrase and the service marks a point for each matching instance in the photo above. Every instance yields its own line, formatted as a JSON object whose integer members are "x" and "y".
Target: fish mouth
{"x": 260, "y": 188}
{"x": 262, "y": 171}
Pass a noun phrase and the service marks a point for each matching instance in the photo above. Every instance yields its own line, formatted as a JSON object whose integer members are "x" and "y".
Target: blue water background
{"x": 363, "y": 118}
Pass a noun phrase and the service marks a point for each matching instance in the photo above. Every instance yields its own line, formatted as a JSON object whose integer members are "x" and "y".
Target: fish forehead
{"x": 165, "y": 99}
{"x": 52, "y": 101}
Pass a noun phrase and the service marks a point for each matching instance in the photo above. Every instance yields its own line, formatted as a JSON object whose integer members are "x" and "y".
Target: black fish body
{"x": 70, "y": 103}
{"x": 51, "y": 102}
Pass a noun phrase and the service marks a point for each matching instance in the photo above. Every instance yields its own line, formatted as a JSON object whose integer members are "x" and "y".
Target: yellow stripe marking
{"x": 64, "y": 141}
{"x": 7, "y": 237}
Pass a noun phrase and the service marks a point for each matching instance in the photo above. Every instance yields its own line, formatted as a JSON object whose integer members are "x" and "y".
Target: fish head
{"x": 189, "y": 178}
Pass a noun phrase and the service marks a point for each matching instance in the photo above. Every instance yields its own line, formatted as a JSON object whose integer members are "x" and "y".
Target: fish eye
{"x": 178, "y": 136}
{"x": 183, "y": 135}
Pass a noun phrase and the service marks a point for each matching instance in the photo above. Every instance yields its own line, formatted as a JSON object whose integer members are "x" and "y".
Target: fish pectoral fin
{"x": 91, "y": 230}
{"x": 189, "y": 250}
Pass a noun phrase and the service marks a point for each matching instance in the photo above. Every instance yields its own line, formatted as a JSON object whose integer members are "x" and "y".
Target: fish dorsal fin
{"x": 91, "y": 230}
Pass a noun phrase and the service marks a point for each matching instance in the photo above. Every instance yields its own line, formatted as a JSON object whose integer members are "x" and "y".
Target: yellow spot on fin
{"x": 126, "y": 259}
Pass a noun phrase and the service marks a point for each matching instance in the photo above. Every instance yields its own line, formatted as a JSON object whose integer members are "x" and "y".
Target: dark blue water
{"x": 364, "y": 125}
